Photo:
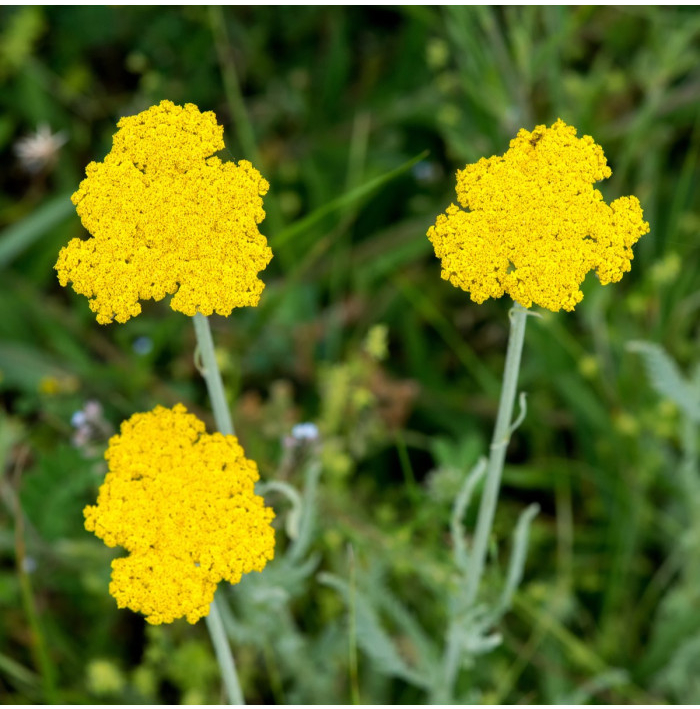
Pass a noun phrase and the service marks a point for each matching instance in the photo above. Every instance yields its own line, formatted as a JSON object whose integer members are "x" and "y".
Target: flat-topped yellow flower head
{"x": 168, "y": 217}
{"x": 534, "y": 226}
{"x": 182, "y": 503}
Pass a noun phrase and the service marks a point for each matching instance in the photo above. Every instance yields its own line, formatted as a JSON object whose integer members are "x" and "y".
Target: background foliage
{"x": 359, "y": 119}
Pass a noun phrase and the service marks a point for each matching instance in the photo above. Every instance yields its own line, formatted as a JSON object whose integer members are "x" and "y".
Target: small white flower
{"x": 90, "y": 425}
{"x": 39, "y": 150}
{"x": 78, "y": 419}
{"x": 305, "y": 432}
{"x": 93, "y": 411}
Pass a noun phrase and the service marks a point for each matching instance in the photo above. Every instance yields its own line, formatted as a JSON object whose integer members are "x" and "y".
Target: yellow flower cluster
{"x": 182, "y": 503}
{"x": 167, "y": 217}
{"x": 535, "y": 226}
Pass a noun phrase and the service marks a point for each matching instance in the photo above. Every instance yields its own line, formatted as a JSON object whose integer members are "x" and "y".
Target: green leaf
{"x": 372, "y": 637}
{"x": 24, "y": 367}
{"x": 666, "y": 378}
{"x": 16, "y": 673}
{"x": 343, "y": 201}
{"x": 19, "y": 237}
{"x": 517, "y": 558}
{"x": 54, "y": 492}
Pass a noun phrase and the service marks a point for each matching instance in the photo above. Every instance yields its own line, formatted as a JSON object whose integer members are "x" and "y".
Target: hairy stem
{"x": 222, "y": 415}
{"x": 227, "y": 664}
{"x": 212, "y": 375}
{"x": 499, "y": 444}
{"x": 473, "y": 562}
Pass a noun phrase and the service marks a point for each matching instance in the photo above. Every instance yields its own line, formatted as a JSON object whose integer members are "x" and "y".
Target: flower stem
{"x": 212, "y": 375}
{"x": 222, "y": 416}
{"x": 499, "y": 444}
{"x": 443, "y": 691}
{"x": 227, "y": 664}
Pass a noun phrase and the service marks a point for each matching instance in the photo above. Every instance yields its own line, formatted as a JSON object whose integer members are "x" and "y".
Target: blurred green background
{"x": 359, "y": 119}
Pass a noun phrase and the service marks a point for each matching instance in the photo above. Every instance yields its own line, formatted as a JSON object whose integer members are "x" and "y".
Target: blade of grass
{"x": 352, "y": 630}
{"x": 40, "y": 653}
{"x": 343, "y": 246}
{"x": 344, "y": 200}
{"x": 16, "y": 672}
{"x": 20, "y": 236}
{"x": 232, "y": 86}
{"x": 579, "y": 652}
{"x": 237, "y": 107}
{"x": 486, "y": 380}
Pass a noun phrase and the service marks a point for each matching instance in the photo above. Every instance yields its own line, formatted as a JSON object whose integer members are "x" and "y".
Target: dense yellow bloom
{"x": 535, "y": 226}
{"x": 182, "y": 503}
{"x": 167, "y": 217}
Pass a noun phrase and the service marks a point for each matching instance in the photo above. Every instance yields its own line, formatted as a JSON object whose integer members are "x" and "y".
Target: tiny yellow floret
{"x": 182, "y": 503}
{"x": 168, "y": 217}
{"x": 533, "y": 226}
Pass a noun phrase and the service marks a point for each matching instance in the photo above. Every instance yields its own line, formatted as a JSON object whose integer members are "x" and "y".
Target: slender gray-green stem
{"x": 222, "y": 415}
{"x": 443, "y": 691}
{"x": 212, "y": 375}
{"x": 497, "y": 455}
{"x": 222, "y": 648}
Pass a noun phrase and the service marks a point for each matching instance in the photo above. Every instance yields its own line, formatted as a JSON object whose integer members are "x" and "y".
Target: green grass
{"x": 359, "y": 119}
